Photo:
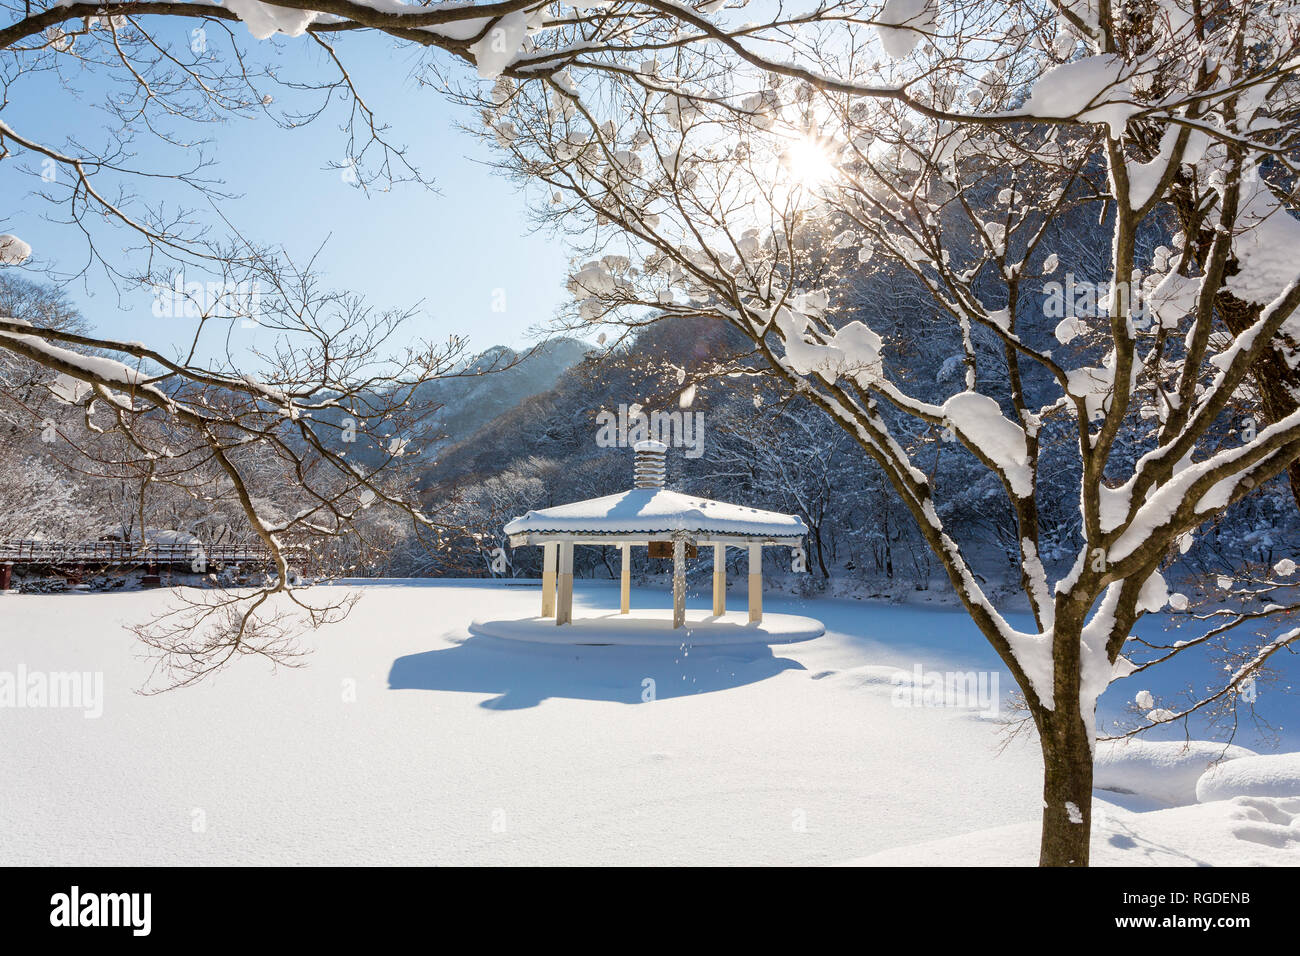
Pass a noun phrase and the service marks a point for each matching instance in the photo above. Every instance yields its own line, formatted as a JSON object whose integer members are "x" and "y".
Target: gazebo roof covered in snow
{"x": 651, "y": 516}
{"x": 652, "y": 512}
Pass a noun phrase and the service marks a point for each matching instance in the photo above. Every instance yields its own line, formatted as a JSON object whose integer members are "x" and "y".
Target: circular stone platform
{"x": 654, "y": 628}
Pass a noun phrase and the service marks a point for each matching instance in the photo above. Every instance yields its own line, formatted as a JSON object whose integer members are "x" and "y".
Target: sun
{"x": 807, "y": 161}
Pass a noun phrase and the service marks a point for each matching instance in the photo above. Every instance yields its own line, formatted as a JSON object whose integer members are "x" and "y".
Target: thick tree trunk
{"x": 1067, "y": 790}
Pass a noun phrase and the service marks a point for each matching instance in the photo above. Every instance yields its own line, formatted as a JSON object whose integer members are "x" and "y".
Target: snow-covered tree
{"x": 199, "y": 442}
{"x": 706, "y": 187}
{"x": 805, "y": 471}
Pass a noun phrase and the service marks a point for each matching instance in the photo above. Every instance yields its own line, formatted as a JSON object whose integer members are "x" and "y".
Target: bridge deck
{"x": 30, "y": 551}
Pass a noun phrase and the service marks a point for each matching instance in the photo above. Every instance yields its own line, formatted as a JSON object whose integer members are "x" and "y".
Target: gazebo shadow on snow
{"x": 522, "y": 675}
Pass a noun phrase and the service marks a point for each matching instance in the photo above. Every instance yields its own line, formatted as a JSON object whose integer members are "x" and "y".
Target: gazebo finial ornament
{"x": 651, "y": 513}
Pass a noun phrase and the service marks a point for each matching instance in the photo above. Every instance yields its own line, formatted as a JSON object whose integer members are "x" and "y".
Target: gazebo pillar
{"x": 564, "y": 611}
{"x": 625, "y": 580}
{"x": 755, "y": 583}
{"x": 679, "y": 582}
{"x": 719, "y": 580}
{"x": 548, "y": 579}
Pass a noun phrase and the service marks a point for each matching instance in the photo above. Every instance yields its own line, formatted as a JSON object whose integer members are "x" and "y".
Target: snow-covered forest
{"x": 998, "y": 298}
{"x": 526, "y": 437}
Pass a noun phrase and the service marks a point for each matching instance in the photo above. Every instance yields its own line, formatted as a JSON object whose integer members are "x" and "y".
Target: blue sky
{"x": 453, "y": 249}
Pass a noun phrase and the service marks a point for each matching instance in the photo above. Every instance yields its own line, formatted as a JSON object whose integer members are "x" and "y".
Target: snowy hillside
{"x": 406, "y": 740}
{"x": 509, "y": 378}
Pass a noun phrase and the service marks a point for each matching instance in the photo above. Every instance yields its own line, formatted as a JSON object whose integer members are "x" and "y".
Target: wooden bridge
{"x": 31, "y": 551}
{"x": 78, "y": 558}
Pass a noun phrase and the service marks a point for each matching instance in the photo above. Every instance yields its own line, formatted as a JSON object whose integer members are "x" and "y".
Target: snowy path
{"x": 461, "y": 749}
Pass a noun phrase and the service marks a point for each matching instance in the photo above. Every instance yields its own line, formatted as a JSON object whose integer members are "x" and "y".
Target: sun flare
{"x": 807, "y": 161}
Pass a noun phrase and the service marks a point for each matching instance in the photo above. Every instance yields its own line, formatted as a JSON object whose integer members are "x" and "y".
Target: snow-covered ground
{"x": 1244, "y": 831}
{"x": 406, "y": 739}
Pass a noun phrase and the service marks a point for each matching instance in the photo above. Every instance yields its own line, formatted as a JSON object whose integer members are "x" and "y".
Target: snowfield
{"x": 405, "y": 739}
{"x": 1244, "y": 831}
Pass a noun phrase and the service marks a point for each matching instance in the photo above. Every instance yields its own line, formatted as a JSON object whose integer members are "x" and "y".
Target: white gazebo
{"x": 651, "y": 516}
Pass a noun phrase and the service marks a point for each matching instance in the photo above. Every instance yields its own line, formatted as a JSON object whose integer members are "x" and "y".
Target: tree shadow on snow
{"x": 522, "y": 675}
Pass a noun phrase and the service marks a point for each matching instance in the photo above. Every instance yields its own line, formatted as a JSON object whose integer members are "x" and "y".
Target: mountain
{"x": 560, "y": 422}
{"x": 483, "y": 389}
{"x": 493, "y": 383}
